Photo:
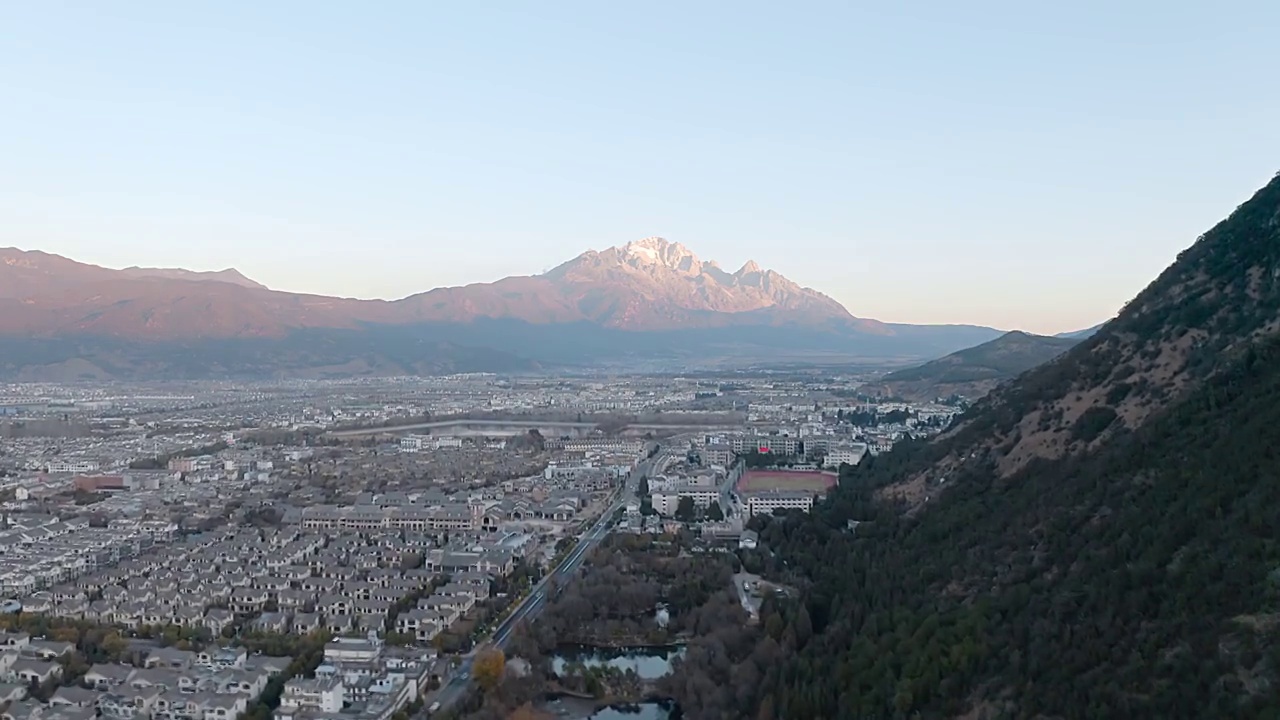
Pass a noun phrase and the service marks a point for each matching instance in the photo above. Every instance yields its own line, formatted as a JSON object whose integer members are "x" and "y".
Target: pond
{"x": 571, "y": 709}
{"x": 649, "y": 663}
{"x": 643, "y": 711}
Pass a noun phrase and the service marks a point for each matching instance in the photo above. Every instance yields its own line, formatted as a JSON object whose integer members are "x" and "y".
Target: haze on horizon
{"x": 999, "y": 164}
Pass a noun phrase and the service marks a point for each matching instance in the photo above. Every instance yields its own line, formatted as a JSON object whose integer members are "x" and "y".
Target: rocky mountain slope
{"x": 650, "y": 300}
{"x": 974, "y": 371}
{"x": 1093, "y": 539}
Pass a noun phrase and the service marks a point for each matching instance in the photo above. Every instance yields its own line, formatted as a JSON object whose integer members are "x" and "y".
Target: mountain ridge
{"x": 226, "y": 275}
{"x": 650, "y": 288}
{"x": 1081, "y": 334}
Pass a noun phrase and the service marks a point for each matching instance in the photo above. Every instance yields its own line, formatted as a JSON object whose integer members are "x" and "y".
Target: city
{"x": 392, "y": 530}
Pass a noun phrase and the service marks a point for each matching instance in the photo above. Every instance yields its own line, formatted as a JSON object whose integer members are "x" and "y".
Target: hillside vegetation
{"x": 1095, "y": 539}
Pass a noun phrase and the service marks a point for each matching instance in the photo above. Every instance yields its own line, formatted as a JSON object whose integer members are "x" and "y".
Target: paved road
{"x": 535, "y": 602}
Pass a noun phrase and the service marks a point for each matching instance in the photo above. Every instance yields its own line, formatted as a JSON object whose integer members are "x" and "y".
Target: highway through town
{"x": 534, "y": 603}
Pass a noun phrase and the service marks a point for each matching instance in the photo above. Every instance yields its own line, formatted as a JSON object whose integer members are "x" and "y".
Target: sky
{"x": 1012, "y": 164}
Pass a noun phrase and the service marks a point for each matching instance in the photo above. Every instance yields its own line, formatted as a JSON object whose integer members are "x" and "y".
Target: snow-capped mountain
{"x": 653, "y": 283}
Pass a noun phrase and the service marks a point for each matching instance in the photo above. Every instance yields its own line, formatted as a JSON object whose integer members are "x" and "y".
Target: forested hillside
{"x": 1220, "y": 297}
{"x": 1097, "y": 539}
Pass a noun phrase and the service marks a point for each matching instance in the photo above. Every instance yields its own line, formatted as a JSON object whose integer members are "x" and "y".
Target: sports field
{"x": 807, "y": 480}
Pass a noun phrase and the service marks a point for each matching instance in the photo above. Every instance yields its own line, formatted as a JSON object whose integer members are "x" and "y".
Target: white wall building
{"x": 766, "y": 502}
{"x": 776, "y": 444}
{"x": 845, "y": 454}
{"x": 666, "y": 501}
{"x": 72, "y": 466}
{"x": 418, "y": 443}
{"x": 358, "y": 650}
{"x": 321, "y": 694}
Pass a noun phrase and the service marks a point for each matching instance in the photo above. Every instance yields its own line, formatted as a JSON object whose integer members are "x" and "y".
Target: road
{"x": 534, "y": 603}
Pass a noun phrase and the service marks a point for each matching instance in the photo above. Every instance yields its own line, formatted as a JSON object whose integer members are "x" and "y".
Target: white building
{"x": 766, "y": 502}
{"x": 321, "y": 694}
{"x": 357, "y": 650}
{"x": 845, "y": 454}
{"x": 719, "y": 455}
{"x": 72, "y": 466}
{"x": 666, "y": 501}
{"x": 418, "y": 443}
{"x": 775, "y": 444}
{"x": 614, "y": 445}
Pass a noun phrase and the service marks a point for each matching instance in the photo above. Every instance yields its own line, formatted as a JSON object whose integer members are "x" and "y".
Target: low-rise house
{"x": 189, "y": 617}
{"x": 272, "y": 583}
{"x": 244, "y": 682}
{"x": 143, "y": 678}
{"x": 39, "y": 603}
{"x": 306, "y": 623}
{"x": 11, "y": 693}
{"x": 455, "y": 604}
{"x": 102, "y": 611}
{"x": 104, "y": 677}
{"x": 218, "y": 618}
{"x": 340, "y": 623}
{"x": 47, "y": 650}
{"x": 249, "y": 600}
{"x": 73, "y": 696}
{"x": 13, "y": 641}
{"x": 226, "y": 707}
{"x": 74, "y": 608}
{"x": 294, "y": 599}
{"x": 35, "y": 672}
{"x": 269, "y": 664}
{"x": 335, "y": 605}
{"x": 275, "y": 622}
{"x": 424, "y": 625}
{"x": 174, "y": 705}
{"x": 128, "y": 703}
{"x": 23, "y": 710}
{"x": 229, "y": 657}
{"x": 170, "y": 659}
{"x": 320, "y": 695}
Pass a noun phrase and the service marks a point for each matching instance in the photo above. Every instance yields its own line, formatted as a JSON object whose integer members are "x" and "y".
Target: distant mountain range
{"x": 650, "y": 301}
{"x": 975, "y": 371}
{"x": 1081, "y": 334}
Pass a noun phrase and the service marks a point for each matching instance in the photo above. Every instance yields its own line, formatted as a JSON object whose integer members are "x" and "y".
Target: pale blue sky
{"x": 1014, "y": 164}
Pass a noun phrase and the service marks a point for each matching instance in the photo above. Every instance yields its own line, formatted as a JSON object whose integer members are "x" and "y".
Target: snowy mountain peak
{"x": 659, "y": 251}
{"x": 654, "y": 282}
